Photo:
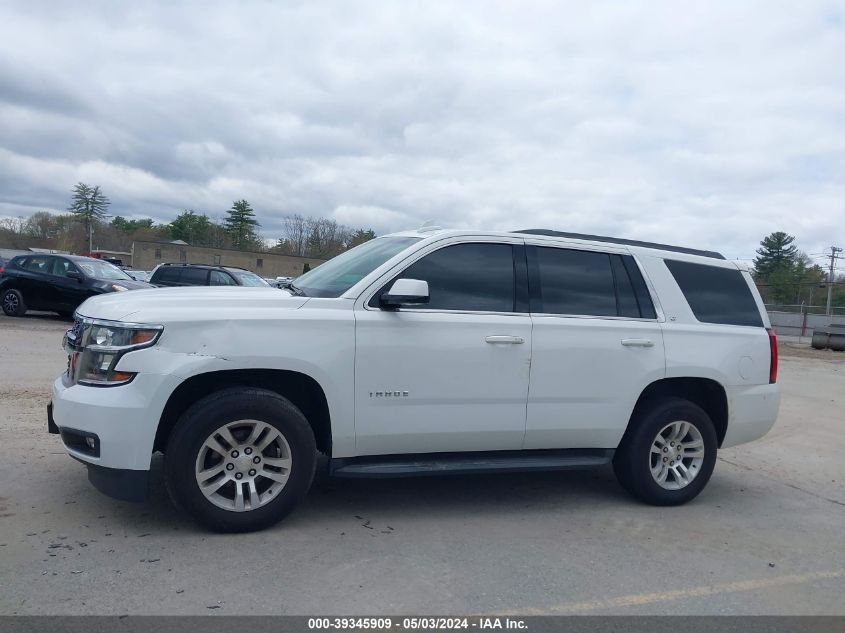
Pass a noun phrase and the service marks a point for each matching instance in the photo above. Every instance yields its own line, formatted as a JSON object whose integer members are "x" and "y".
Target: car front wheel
{"x": 668, "y": 452}
{"x": 240, "y": 460}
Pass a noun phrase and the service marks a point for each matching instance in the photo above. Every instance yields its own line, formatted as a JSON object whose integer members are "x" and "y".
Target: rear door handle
{"x": 637, "y": 342}
{"x": 508, "y": 340}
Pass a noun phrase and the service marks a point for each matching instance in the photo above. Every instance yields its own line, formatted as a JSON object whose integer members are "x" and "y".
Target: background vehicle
{"x": 139, "y": 275}
{"x": 58, "y": 283}
{"x": 420, "y": 353}
{"x": 204, "y": 275}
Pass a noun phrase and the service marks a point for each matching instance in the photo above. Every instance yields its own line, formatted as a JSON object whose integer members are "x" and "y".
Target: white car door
{"x": 597, "y": 344}
{"x": 452, "y": 375}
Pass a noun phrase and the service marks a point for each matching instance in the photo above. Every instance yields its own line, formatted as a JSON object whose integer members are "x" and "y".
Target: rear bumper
{"x": 753, "y": 412}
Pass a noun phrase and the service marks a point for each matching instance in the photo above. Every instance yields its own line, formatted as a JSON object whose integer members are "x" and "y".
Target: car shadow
{"x": 442, "y": 497}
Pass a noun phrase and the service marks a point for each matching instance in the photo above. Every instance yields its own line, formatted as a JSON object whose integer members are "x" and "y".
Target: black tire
{"x": 13, "y": 303}
{"x": 67, "y": 316}
{"x": 632, "y": 461}
{"x": 206, "y": 416}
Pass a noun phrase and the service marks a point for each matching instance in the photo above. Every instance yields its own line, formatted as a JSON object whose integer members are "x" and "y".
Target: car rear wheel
{"x": 240, "y": 460}
{"x": 668, "y": 452}
{"x": 13, "y": 303}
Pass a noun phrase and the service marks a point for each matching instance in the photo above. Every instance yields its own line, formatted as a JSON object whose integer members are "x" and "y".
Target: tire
{"x": 13, "y": 303}
{"x": 269, "y": 491}
{"x": 67, "y": 316}
{"x": 634, "y": 462}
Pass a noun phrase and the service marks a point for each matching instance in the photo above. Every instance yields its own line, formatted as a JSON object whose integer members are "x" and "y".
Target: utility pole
{"x": 834, "y": 255}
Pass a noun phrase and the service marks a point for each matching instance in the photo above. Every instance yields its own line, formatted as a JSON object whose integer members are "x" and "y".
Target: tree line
{"x": 87, "y": 226}
{"x": 786, "y": 275}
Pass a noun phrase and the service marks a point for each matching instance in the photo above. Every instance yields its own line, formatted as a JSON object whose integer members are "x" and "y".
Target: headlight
{"x": 94, "y": 348}
{"x": 118, "y": 288}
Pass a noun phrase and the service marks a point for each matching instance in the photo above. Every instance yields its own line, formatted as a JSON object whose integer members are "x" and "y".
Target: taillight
{"x": 1, "y": 270}
{"x": 773, "y": 367}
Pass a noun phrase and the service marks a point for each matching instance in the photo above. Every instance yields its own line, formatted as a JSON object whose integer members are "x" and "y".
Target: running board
{"x": 421, "y": 465}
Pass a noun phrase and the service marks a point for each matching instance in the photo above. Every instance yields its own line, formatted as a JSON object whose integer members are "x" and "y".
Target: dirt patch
{"x": 803, "y": 350}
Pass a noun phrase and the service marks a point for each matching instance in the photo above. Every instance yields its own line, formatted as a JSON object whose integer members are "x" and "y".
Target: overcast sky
{"x": 705, "y": 124}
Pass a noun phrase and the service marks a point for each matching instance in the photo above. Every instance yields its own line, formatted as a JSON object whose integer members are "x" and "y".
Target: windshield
{"x": 249, "y": 279}
{"x": 339, "y": 274}
{"x": 99, "y": 269}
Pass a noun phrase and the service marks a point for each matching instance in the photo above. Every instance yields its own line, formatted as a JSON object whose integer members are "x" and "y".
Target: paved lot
{"x": 766, "y": 537}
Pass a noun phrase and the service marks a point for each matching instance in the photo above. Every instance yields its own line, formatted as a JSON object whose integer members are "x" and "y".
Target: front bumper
{"x": 119, "y": 483}
{"x": 112, "y": 430}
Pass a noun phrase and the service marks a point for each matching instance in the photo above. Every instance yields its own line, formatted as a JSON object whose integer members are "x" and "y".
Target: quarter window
{"x": 715, "y": 294}
{"x": 471, "y": 277}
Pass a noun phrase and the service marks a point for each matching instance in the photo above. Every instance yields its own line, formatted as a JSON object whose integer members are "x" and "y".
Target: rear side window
{"x": 38, "y": 264}
{"x": 716, "y": 295}
{"x": 194, "y": 277}
{"x": 471, "y": 277}
{"x": 167, "y": 275}
{"x": 576, "y": 282}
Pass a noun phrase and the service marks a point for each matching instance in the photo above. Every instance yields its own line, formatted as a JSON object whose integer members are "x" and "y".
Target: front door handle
{"x": 508, "y": 340}
{"x": 637, "y": 342}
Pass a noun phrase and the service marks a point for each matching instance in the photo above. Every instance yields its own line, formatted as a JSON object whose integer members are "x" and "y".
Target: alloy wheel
{"x": 10, "y": 303}
{"x": 243, "y": 465}
{"x": 677, "y": 455}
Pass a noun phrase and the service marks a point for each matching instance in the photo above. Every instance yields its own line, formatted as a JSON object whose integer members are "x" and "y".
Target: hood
{"x": 197, "y": 303}
{"x": 130, "y": 284}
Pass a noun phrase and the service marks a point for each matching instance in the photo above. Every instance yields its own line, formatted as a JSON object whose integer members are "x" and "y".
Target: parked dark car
{"x": 58, "y": 283}
{"x": 204, "y": 275}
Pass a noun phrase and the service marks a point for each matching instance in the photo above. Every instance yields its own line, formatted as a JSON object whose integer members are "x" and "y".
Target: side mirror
{"x": 405, "y": 292}
{"x": 74, "y": 274}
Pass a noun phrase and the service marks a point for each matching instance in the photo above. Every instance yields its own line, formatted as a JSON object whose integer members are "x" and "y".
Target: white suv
{"x": 422, "y": 353}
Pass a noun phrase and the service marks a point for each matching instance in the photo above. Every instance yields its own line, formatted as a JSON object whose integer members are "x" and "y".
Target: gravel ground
{"x": 767, "y": 536}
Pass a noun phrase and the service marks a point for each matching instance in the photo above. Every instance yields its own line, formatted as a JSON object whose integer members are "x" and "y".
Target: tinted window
{"x": 194, "y": 276}
{"x": 716, "y": 295}
{"x": 643, "y": 296}
{"x": 625, "y": 297}
{"x": 476, "y": 277}
{"x": 166, "y": 275}
{"x": 62, "y": 267}
{"x": 575, "y": 282}
{"x": 219, "y": 278}
{"x": 38, "y": 264}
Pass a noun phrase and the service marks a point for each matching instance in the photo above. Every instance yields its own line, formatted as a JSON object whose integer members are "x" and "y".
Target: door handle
{"x": 637, "y": 342}
{"x": 509, "y": 340}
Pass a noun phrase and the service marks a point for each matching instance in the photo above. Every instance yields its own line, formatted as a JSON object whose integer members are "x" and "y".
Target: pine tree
{"x": 777, "y": 254}
{"x": 89, "y": 204}
{"x": 241, "y": 225}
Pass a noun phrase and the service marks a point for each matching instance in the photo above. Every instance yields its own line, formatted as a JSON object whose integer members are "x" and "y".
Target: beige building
{"x": 148, "y": 255}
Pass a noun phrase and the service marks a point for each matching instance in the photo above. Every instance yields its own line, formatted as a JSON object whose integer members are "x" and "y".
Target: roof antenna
{"x": 427, "y": 227}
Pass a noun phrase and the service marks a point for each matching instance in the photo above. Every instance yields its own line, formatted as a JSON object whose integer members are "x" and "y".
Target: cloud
{"x": 707, "y": 125}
